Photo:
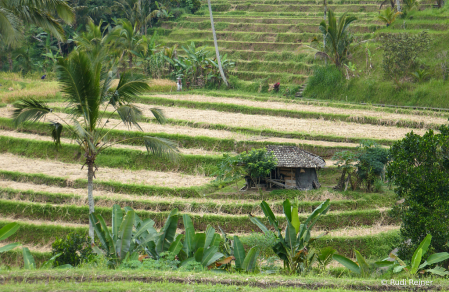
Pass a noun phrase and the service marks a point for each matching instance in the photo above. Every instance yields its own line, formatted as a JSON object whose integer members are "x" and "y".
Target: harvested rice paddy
{"x": 72, "y": 171}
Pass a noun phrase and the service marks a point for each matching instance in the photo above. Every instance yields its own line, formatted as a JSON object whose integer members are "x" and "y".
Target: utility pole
{"x": 216, "y": 45}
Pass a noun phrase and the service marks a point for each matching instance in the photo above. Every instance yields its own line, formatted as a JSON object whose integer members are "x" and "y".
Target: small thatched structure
{"x": 295, "y": 169}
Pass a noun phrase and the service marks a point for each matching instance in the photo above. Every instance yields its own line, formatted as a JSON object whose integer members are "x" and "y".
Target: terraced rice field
{"x": 45, "y": 190}
{"x": 269, "y": 39}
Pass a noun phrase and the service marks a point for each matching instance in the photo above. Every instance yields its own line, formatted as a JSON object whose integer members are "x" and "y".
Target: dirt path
{"x": 309, "y": 126}
{"x": 394, "y": 118}
{"x": 11, "y": 162}
{"x": 219, "y": 134}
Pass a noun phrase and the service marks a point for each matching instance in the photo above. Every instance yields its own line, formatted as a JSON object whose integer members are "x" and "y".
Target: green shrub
{"x": 75, "y": 249}
{"x": 420, "y": 171}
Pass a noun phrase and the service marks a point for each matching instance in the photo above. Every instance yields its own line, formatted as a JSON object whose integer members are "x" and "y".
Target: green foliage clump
{"x": 420, "y": 171}
{"x": 401, "y": 53}
{"x": 74, "y": 249}
{"x": 364, "y": 166}
{"x": 324, "y": 81}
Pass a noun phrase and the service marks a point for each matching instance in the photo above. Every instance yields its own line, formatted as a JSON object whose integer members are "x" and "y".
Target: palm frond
{"x": 81, "y": 86}
{"x": 56, "y": 130}
{"x": 29, "y": 110}
{"x": 129, "y": 87}
{"x": 161, "y": 147}
{"x": 158, "y": 115}
{"x": 9, "y": 26}
{"x": 130, "y": 115}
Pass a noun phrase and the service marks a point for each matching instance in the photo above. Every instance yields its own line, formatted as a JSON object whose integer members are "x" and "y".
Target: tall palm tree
{"x": 217, "y": 53}
{"x": 336, "y": 36}
{"x": 14, "y": 14}
{"x": 126, "y": 39}
{"x": 85, "y": 83}
{"x": 388, "y": 16}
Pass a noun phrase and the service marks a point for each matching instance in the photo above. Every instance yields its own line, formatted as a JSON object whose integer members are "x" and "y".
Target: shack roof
{"x": 292, "y": 156}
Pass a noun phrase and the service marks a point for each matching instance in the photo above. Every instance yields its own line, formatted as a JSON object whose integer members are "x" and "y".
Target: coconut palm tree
{"x": 336, "y": 37}
{"x": 126, "y": 39}
{"x": 14, "y": 14}
{"x": 85, "y": 84}
{"x": 388, "y": 16}
{"x": 217, "y": 53}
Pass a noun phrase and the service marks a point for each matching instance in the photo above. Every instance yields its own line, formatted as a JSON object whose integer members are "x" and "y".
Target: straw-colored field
{"x": 312, "y": 108}
{"x": 334, "y": 128}
{"x": 185, "y": 130}
{"x": 73, "y": 171}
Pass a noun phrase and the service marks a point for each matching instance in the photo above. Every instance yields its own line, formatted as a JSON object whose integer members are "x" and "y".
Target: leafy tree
{"x": 388, "y": 16}
{"x": 14, "y": 14}
{"x": 85, "y": 83}
{"x": 337, "y": 37}
{"x": 401, "y": 53}
{"x": 420, "y": 171}
{"x": 365, "y": 165}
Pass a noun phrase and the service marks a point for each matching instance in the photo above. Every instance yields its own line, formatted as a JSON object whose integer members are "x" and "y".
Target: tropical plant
{"x": 234, "y": 250}
{"x": 415, "y": 265}
{"x": 419, "y": 168}
{"x": 85, "y": 83}
{"x": 409, "y": 6}
{"x": 199, "y": 247}
{"x": 6, "y": 231}
{"x": 388, "y": 15}
{"x": 126, "y": 40}
{"x": 30, "y": 264}
{"x": 325, "y": 256}
{"x": 228, "y": 169}
{"x": 257, "y": 163}
{"x": 337, "y": 37}
{"x": 292, "y": 248}
{"x": 14, "y": 14}
{"x": 73, "y": 249}
{"x": 421, "y": 75}
{"x": 360, "y": 267}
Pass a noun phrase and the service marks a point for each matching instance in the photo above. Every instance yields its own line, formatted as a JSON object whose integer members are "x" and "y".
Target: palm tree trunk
{"x": 10, "y": 61}
{"x": 324, "y": 36}
{"x": 216, "y": 45}
{"x": 90, "y": 196}
{"x": 130, "y": 62}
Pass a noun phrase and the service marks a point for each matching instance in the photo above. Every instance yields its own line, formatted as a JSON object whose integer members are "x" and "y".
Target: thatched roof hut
{"x": 296, "y": 168}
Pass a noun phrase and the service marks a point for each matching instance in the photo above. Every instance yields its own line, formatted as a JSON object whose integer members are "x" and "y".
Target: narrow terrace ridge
{"x": 54, "y": 168}
{"x": 21, "y": 192}
{"x": 219, "y": 134}
{"x": 300, "y": 8}
{"x": 355, "y": 114}
{"x": 262, "y": 122}
{"x": 234, "y": 223}
{"x": 264, "y": 20}
{"x": 230, "y": 27}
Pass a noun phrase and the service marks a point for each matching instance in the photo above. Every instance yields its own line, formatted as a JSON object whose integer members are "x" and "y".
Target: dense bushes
{"x": 420, "y": 170}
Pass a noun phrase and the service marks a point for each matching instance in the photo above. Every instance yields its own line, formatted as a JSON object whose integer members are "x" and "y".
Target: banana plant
{"x": 123, "y": 240}
{"x": 7, "y": 231}
{"x": 234, "y": 251}
{"x": 360, "y": 267}
{"x": 325, "y": 256}
{"x": 415, "y": 266}
{"x": 30, "y": 264}
{"x": 199, "y": 247}
{"x": 292, "y": 248}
